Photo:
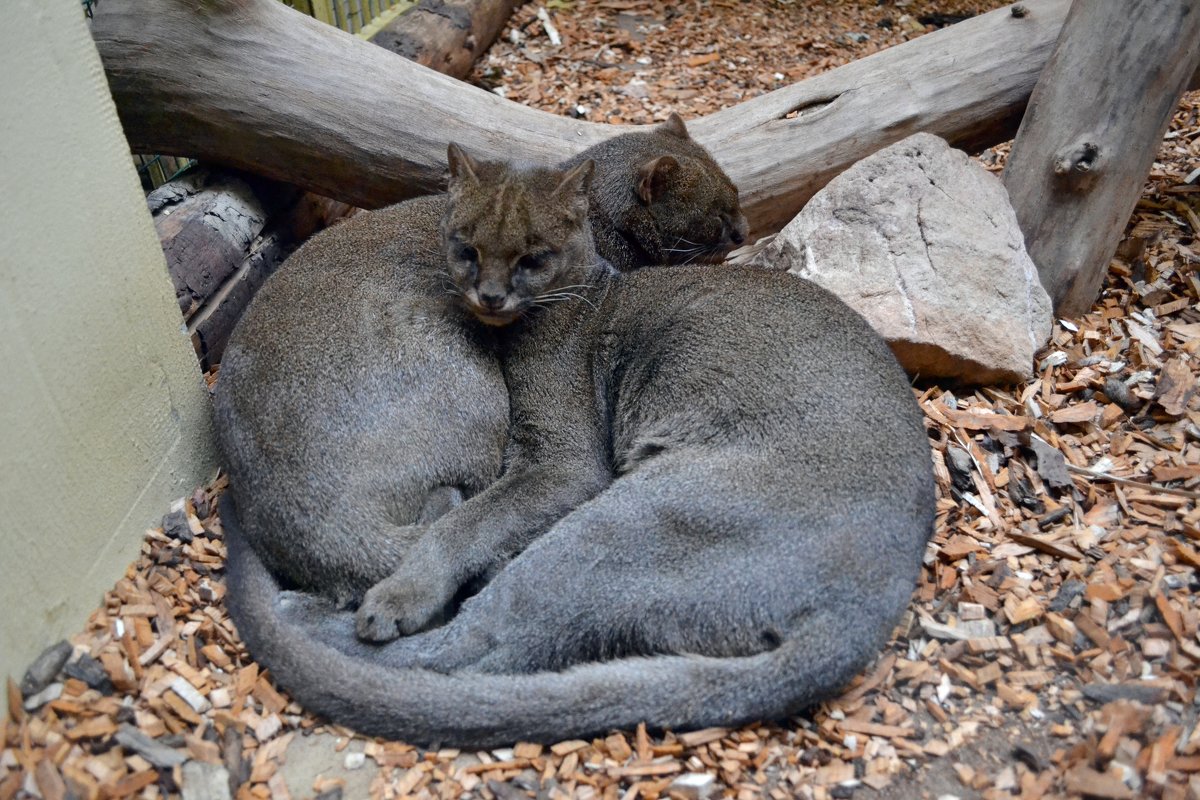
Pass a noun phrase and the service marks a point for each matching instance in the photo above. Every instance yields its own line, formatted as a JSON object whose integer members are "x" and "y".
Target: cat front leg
{"x": 489, "y": 529}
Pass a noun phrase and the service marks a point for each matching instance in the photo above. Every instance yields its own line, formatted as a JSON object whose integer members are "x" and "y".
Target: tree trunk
{"x": 446, "y": 35}
{"x": 295, "y": 105}
{"x": 1093, "y": 126}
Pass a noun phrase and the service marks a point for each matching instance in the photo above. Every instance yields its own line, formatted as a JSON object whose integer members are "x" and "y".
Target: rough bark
{"x": 446, "y": 35}
{"x": 295, "y": 106}
{"x": 1094, "y": 124}
{"x": 223, "y": 233}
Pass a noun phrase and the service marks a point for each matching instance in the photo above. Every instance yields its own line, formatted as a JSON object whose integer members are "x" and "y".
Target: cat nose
{"x": 736, "y": 236}
{"x": 492, "y": 300}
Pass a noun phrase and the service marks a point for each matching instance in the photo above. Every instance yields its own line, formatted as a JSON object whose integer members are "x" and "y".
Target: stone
{"x": 90, "y": 671}
{"x": 923, "y": 242}
{"x": 693, "y": 786}
{"x": 202, "y": 781}
{"x": 46, "y": 695}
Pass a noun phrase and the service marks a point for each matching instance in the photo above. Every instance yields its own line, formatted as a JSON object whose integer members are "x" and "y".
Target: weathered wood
{"x": 446, "y": 35}
{"x": 1094, "y": 124}
{"x": 207, "y": 223}
{"x": 223, "y": 233}
{"x": 294, "y": 106}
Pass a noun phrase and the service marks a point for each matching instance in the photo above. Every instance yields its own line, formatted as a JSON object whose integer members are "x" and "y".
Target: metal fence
{"x": 360, "y": 17}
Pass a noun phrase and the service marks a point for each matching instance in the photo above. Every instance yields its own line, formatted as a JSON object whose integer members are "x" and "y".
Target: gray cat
{"x": 716, "y": 499}
{"x": 357, "y": 399}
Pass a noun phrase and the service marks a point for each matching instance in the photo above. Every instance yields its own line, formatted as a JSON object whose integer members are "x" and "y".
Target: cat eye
{"x": 467, "y": 253}
{"x": 533, "y": 262}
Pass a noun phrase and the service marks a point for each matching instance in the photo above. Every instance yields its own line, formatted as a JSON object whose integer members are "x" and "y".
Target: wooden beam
{"x": 1093, "y": 126}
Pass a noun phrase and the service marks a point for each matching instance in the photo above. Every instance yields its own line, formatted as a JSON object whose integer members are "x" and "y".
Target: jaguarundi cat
{"x": 716, "y": 498}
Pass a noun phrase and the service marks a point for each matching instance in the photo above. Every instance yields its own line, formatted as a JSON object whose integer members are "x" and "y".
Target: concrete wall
{"x": 103, "y": 415}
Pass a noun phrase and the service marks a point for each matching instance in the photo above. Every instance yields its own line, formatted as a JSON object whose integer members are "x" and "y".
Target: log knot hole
{"x": 811, "y": 108}
{"x": 1078, "y": 164}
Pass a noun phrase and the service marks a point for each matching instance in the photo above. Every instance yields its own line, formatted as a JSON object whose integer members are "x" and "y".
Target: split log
{"x": 1094, "y": 124}
{"x": 223, "y": 233}
{"x": 295, "y": 106}
{"x": 206, "y": 223}
{"x": 446, "y": 35}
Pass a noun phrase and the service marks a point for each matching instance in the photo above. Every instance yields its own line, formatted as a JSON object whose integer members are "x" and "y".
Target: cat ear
{"x": 674, "y": 127}
{"x": 653, "y": 177}
{"x": 577, "y": 181}
{"x": 462, "y": 166}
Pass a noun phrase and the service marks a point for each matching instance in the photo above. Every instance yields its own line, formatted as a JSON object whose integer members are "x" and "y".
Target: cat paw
{"x": 401, "y": 605}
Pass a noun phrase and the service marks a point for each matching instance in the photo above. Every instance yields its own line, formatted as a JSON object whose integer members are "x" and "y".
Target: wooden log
{"x": 446, "y": 35}
{"x": 223, "y": 233}
{"x": 295, "y": 106}
{"x": 207, "y": 223}
{"x": 1094, "y": 124}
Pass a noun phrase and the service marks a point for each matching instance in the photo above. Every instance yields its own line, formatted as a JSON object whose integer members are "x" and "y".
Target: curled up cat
{"x": 716, "y": 497}
{"x": 358, "y": 398}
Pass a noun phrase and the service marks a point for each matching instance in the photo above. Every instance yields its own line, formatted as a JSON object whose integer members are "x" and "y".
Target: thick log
{"x": 207, "y": 222}
{"x": 1093, "y": 126}
{"x": 223, "y": 233}
{"x": 295, "y": 105}
{"x": 446, "y": 35}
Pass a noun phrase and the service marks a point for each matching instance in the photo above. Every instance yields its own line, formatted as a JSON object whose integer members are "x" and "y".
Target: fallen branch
{"x": 296, "y": 106}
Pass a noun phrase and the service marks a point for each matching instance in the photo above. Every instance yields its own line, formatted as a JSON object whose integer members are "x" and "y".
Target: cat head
{"x": 693, "y": 203}
{"x": 513, "y": 235}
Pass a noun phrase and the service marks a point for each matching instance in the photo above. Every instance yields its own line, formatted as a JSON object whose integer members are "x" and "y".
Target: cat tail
{"x": 486, "y": 710}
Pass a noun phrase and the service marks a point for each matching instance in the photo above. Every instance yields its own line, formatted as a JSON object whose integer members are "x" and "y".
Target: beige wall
{"x": 103, "y": 415}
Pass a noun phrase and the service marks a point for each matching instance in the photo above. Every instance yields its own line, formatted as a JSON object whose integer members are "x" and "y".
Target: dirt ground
{"x": 1050, "y": 651}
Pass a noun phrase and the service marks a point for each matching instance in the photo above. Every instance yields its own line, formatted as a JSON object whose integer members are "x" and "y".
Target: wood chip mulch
{"x": 1053, "y": 645}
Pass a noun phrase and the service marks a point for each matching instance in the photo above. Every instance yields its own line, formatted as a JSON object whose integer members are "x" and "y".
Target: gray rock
{"x": 91, "y": 672}
{"x": 202, "y": 781}
{"x": 36, "y": 701}
{"x": 924, "y": 243}
{"x": 693, "y": 786}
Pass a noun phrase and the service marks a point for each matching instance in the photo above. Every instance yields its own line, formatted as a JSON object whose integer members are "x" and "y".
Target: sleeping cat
{"x": 357, "y": 397}
{"x": 716, "y": 499}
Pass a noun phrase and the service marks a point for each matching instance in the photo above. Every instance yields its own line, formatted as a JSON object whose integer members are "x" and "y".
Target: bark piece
{"x": 923, "y": 243}
{"x": 1093, "y": 127}
{"x": 446, "y": 35}
{"x": 155, "y": 752}
{"x": 1176, "y": 387}
{"x": 45, "y": 668}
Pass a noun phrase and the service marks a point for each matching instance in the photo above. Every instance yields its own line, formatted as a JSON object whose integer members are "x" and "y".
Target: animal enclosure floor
{"x": 1051, "y": 649}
